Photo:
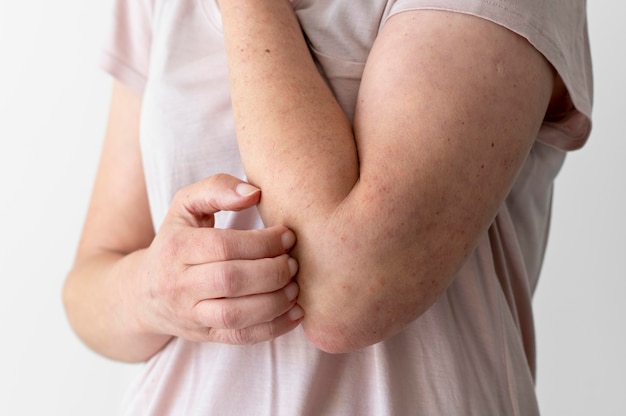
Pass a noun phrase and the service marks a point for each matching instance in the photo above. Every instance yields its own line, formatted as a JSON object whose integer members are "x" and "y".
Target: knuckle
{"x": 224, "y": 336}
{"x": 243, "y": 337}
{"x": 213, "y": 180}
{"x": 181, "y": 195}
{"x": 228, "y": 317}
{"x": 172, "y": 247}
{"x": 225, "y": 280}
{"x": 206, "y": 335}
{"x": 167, "y": 245}
{"x": 222, "y": 246}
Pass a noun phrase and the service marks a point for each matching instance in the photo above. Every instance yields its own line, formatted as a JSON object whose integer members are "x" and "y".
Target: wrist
{"x": 142, "y": 338}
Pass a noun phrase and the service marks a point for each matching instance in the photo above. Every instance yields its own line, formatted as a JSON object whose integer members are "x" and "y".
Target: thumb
{"x": 198, "y": 202}
{"x": 246, "y": 190}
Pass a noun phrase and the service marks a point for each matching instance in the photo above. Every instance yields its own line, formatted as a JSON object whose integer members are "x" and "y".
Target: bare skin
{"x": 131, "y": 290}
{"x": 387, "y": 210}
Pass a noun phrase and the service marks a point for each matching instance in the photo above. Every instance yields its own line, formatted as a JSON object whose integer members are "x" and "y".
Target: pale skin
{"x": 385, "y": 210}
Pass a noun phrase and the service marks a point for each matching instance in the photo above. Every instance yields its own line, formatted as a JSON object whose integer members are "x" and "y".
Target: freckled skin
{"x": 387, "y": 208}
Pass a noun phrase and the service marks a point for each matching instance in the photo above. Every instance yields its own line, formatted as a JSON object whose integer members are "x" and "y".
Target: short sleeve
{"x": 126, "y": 51}
{"x": 557, "y": 29}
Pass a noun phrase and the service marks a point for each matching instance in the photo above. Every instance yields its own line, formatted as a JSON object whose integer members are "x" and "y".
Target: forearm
{"x": 286, "y": 116}
{"x": 439, "y": 145}
{"x": 297, "y": 144}
{"x": 98, "y": 298}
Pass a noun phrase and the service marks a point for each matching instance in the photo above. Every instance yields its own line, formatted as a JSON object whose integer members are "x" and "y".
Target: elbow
{"x": 341, "y": 337}
{"x": 339, "y": 334}
{"x": 331, "y": 339}
{"x": 70, "y": 299}
{"x": 67, "y": 298}
{"x": 342, "y": 318}
{"x": 356, "y": 292}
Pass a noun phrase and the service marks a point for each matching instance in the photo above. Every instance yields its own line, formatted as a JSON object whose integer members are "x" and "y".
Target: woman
{"x": 409, "y": 147}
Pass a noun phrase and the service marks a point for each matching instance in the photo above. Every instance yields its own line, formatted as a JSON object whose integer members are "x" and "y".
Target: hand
{"x": 215, "y": 285}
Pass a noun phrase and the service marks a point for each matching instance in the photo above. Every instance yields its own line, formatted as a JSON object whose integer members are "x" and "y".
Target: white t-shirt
{"x": 472, "y": 352}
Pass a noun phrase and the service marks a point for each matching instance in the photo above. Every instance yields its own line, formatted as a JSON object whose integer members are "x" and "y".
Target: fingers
{"x": 257, "y": 333}
{"x": 242, "y": 312}
{"x": 206, "y": 245}
{"x": 238, "y": 278}
{"x": 238, "y": 283}
{"x": 197, "y": 203}
{"x": 241, "y": 318}
{"x": 247, "y": 320}
{"x": 193, "y": 210}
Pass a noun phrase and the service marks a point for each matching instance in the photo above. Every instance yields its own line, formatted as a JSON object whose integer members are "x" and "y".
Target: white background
{"x": 53, "y": 104}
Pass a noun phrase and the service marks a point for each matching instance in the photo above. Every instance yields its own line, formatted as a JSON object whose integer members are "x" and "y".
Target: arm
{"x": 130, "y": 291}
{"x": 93, "y": 293}
{"x": 442, "y": 126}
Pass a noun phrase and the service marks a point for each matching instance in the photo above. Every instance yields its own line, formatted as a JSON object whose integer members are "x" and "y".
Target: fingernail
{"x": 292, "y": 291}
{"x": 295, "y": 313}
{"x": 293, "y": 266}
{"x": 245, "y": 189}
{"x": 288, "y": 239}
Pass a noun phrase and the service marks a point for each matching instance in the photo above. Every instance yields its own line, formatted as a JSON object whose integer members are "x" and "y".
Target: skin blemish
{"x": 500, "y": 68}
{"x": 267, "y": 51}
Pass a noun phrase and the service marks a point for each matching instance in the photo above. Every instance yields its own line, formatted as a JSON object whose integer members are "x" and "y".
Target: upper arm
{"x": 118, "y": 219}
{"x": 448, "y": 109}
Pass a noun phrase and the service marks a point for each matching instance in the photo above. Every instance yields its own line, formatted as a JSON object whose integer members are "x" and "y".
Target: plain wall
{"x": 53, "y": 106}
